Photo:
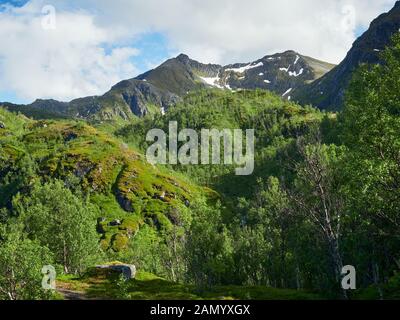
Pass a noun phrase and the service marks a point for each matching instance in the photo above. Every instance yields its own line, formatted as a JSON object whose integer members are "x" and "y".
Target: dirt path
{"x": 72, "y": 295}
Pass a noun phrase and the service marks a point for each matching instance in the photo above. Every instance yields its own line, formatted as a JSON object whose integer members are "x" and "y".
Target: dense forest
{"x": 324, "y": 194}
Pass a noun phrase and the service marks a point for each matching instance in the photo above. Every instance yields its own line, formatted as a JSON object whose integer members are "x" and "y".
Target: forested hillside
{"x": 324, "y": 194}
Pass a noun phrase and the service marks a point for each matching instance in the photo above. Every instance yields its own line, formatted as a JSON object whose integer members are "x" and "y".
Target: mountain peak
{"x": 183, "y": 57}
{"x": 290, "y": 52}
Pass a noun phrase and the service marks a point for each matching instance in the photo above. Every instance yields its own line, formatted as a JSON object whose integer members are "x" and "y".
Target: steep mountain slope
{"x": 156, "y": 90}
{"x": 328, "y": 91}
{"x": 179, "y": 75}
{"x": 126, "y": 188}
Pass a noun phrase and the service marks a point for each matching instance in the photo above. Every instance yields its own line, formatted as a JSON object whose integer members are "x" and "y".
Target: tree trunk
{"x": 337, "y": 263}
{"x": 375, "y": 271}
{"x": 65, "y": 258}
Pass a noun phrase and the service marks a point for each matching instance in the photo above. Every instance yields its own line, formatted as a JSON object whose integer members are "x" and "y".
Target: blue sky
{"x": 96, "y": 43}
{"x": 14, "y": 2}
{"x": 153, "y": 48}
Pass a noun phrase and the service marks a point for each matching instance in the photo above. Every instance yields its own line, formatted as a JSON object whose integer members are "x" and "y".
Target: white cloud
{"x": 70, "y": 61}
{"x": 64, "y": 63}
{"x": 226, "y": 31}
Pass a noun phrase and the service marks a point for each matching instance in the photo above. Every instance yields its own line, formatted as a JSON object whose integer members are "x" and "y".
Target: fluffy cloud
{"x": 63, "y": 63}
{"x": 70, "y": 61}
{"x": 230, "y": 30}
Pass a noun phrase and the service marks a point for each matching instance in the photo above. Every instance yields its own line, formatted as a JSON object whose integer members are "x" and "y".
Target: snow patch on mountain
{"x": 245, "y": 68}
{"x": 287, "y": 92}
{"x": 213, "y": 81}
{"x": 295, "y": 74}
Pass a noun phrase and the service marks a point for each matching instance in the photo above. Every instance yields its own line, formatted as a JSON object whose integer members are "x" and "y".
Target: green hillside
{"x": 277, "y": 124}
{"x": 137, "y": 206}
{"x": 323, "y": 195}
{"x": 116, "y": 178}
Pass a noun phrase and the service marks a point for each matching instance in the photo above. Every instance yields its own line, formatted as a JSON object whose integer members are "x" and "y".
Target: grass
{"x": 147, "y": 286}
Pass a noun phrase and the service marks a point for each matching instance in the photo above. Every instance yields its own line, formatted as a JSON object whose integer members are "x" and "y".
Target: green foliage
{"x": 56, "y": 218}
{"x": 209, "y": 247}
{"x": 93, "y": 162}
{"x": 122, "y": 288}
{"x": 251, "y": 256}
{"x": 262, "y": 254}
{"x": 276, "y": 122}
{"x": 371, "y": 126}
{"x": 21, "y": 262}
{"x": 370, "y": 129}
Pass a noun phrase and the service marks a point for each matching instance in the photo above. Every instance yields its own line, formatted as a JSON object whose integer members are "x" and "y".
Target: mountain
{"x": 156, "y": 90}
{"x": 289, "y": 74}
{"x": 328, "y": 91}
{"x": 280, "y": 73}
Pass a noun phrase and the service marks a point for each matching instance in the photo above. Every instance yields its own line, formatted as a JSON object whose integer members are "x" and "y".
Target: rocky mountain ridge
{"x": 158, "y": 89}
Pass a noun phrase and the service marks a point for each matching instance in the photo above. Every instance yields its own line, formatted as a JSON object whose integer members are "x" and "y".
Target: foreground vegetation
{"x": 147, "y": 286}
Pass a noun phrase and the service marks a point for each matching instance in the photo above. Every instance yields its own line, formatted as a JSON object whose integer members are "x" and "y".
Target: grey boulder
{"x": 127, "y": 270}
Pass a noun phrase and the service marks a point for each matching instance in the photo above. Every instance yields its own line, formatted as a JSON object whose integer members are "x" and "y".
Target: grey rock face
{"x": 127, "y": 270}
{"x": 115, "y": 223}
{"x": 138, "y": 94}
{"x": 125, "y": 203}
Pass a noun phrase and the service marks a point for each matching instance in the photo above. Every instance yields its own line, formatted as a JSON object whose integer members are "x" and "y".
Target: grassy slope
{"x": 120, "y": 181}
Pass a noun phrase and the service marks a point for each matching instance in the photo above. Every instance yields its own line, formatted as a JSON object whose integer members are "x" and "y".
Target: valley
{"x": 77, "y": 189}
